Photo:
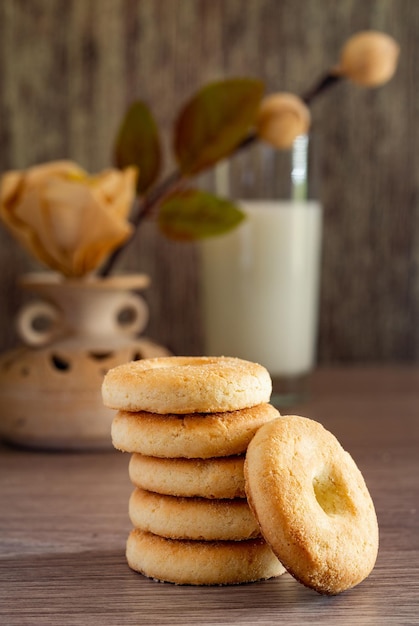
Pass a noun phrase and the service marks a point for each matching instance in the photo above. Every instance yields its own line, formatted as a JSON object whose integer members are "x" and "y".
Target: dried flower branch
{"x": 227, "y": 117}
{"x": 220, "y": 120}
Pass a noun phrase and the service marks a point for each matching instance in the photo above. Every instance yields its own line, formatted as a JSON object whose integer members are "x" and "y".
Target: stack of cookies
{"x": 187, "y": 422}
{"x": 214, "y": 470}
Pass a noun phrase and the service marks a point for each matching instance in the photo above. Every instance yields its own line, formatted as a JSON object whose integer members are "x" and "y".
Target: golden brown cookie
{"x": 190, "y": 436}
{"x": 312, "y": 504}
{"x": 219, "y": 478}
{"x": 201, "y": 562}
{"x": 192, "y": 518}
{"x": 186, "y": 385}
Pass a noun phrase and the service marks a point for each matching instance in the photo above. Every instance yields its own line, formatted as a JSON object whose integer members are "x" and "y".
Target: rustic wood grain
{"x": 64, "y": 522}
{"x": 69, "y": 69}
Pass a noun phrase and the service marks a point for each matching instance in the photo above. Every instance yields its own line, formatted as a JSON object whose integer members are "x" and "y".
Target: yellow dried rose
{"x": 68, "y": 220}
{"x": 281, "y": 118}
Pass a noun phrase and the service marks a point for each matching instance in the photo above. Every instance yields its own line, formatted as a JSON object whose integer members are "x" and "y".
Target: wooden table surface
{"x": 63, "y": 526}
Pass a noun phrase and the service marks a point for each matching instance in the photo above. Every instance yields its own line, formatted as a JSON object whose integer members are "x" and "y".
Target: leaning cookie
{"x": 216, "y": 478}
{"x": 201, "y": 562}
{"x": 192, "y": 518}
{"x": 189, "y": 384}
{"x": 312, "y": 504}
{"x": 191, "y": 436}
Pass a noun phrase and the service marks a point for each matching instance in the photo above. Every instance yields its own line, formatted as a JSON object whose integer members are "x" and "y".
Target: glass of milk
{"x": 260, "y": 283}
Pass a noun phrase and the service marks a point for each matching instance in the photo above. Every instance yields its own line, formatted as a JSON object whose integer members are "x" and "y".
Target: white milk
{"x": 260, "y": 287}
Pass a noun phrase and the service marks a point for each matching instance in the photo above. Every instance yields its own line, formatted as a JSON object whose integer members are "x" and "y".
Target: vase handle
{"x": 131, "y": 314}
{"x": 38, "y": 323}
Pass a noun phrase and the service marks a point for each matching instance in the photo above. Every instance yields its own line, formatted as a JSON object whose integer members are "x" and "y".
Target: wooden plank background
{"x": 70, "y": 68}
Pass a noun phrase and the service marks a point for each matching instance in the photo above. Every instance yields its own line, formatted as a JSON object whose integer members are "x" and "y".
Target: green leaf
{"x": 214, "y": 122}
{"x": 137, "y": 143}
{"x": 191, "y": 214}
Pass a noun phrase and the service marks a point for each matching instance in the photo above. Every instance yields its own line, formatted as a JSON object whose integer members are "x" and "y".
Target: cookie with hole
{"x": 312, "y": 504}
{"x": 194, "y": 435}
{"x": 190, "y": 384}
{"x": 192, "y": 518}
{"x": 185, "y": 562}
{"x": 214, "y": 478}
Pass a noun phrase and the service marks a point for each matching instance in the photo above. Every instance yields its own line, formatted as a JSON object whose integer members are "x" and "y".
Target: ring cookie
{"x": 201, "y": 562}
{"x": 186, "y": 385}
{"x": 312, "y": 504}
{"x": 192, "y": 518}
{"x": 193, "y": 436}
{"x": 217, "y": 478}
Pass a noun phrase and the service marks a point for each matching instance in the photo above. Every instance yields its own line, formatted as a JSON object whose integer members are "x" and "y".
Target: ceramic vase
{"x": 50, "y": 386}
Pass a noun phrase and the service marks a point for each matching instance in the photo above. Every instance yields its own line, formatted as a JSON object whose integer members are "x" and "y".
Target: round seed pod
{"x": 281, "y": 118}
{"x": 369, "y": 58}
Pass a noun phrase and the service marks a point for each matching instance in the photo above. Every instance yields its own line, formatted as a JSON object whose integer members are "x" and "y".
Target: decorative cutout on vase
{"x": 50, "y": 387}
